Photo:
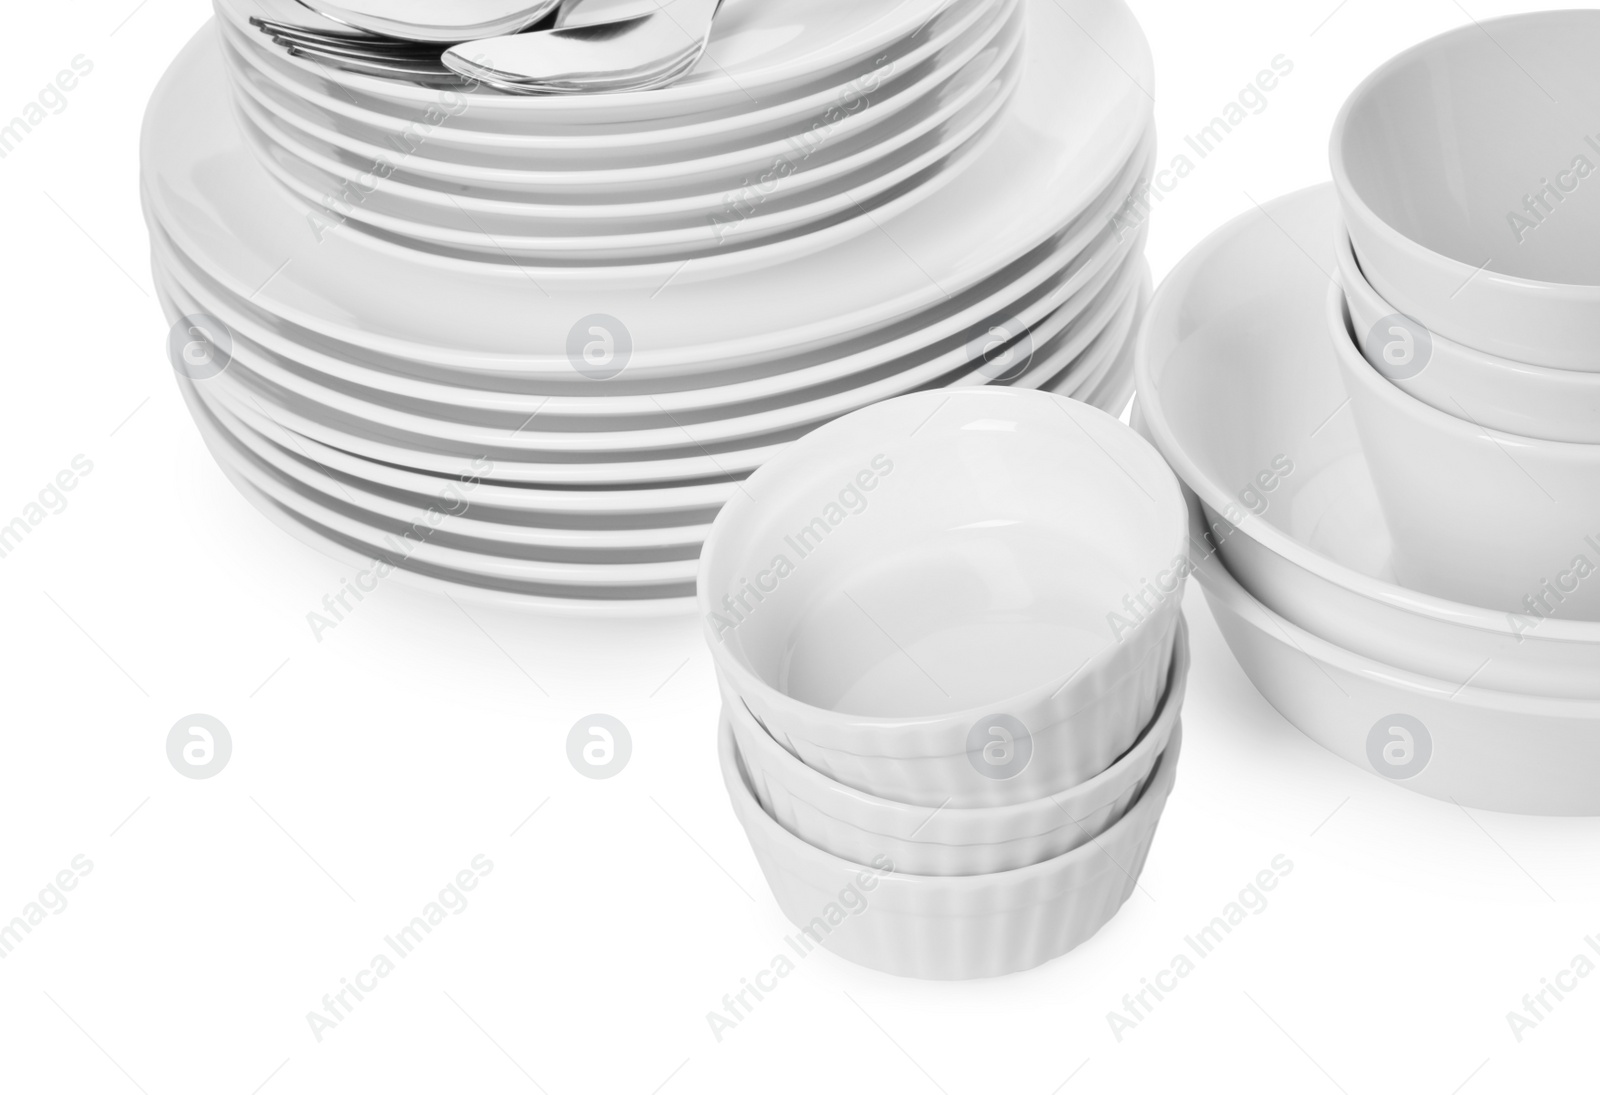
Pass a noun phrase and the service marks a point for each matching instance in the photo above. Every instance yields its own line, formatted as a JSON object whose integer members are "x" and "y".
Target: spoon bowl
{"x": 642, "y": 52}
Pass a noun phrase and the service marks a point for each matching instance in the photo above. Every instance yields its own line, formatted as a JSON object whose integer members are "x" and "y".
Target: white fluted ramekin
{"x": 965, "y": 597}
{"x": 951, "y": 841}
{"x": 949, "y": 928}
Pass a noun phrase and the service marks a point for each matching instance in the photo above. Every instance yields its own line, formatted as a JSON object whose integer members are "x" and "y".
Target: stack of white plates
{"x": 849, "y": 113}
{"x": 551, "y": 395}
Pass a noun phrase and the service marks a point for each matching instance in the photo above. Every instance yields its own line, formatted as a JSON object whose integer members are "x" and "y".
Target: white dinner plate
{"x": 757, "y": 49}
{"x": 531, "y": 155}
{"x": 1080, "y": 306}
{"x": 1069, "y": 129}
{"x": 1065, "y": 257}
{"x": 891, "y": 171}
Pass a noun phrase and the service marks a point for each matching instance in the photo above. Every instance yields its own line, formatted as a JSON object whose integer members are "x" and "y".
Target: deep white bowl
{"x": 1494, "y": 392}
{"x": 932, "y": 599}
{"x": 950, "y": 841}
{"x": 1443, "y": 157}
{"x": 948, "y": 928}
{"x": 1236, "y": 371}
{"x": 1468, "y": 745}
{"x": 1478, "y": 516}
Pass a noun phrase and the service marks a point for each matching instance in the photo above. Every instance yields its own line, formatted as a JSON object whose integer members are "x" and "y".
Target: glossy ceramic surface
{"x": 949, "y": 928}
{"x": 1465, "y": 744}
{"x": 207, "y": 192}
{"x": 1462, "y": 177}
{"x": 1509, "y": 396}
{"x": 1477, "y": 515}
{"x": 1240, "y": 391}
{"x": 1042, "y": 519}
{"x": 949, "y": 841}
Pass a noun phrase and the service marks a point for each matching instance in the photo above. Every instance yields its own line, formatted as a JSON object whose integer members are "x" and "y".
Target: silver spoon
{"x": 589, "y": 13}
{"x": 432, "y": 21}
{"x": 646, "y": 51}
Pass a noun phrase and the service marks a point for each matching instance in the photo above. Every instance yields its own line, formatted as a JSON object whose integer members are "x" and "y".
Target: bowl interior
{"x": 1477, "y": 145}
{"x": 1247, "y": 382}
{"x": 941, "y": 552}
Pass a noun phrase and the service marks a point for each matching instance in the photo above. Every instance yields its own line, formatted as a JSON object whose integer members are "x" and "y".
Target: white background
{"x": 372, "y": 766}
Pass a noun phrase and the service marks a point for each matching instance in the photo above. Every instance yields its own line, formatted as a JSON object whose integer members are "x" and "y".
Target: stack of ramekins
{"x": 948, "y": 636}
{"x": 1397, "y": 477}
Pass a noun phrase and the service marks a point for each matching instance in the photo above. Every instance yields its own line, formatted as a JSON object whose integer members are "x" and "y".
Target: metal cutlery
{"x": 643, "y": 52}
{"x": 431, "y": 21}
{"x": 595, "y": 45}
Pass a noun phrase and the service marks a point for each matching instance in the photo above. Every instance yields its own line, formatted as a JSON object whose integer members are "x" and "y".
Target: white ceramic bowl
{"x": 948, "y": 928}
{"x": 1477, "y": 515}
{"x": 1510, "y": 396}
{"x": 1463, "y": 171}
{"x": 910, "y": 585}
{"x": 952, "y": 841}
{"x": 1239, "y": 389}
{"x": 1468, "y": 745}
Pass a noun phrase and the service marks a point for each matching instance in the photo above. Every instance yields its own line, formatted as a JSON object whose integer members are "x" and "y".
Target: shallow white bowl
{"x": 1494, "y": 392}
{"x": 1438, "y": 152}
{"x": 1468, "y": 745}
{"x": 949, "y": 841}
{"x": 907, "y": 578}
{"x": 1235, "y": 371}
{"x": 1477, "y": 515}
{"x": 948, "y": 928}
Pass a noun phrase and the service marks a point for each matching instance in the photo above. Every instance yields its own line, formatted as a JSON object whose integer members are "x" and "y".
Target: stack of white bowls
{"x": 529, "y": 345}
{"x": 948, "y": 637}
{"x": 1397, "y": 475}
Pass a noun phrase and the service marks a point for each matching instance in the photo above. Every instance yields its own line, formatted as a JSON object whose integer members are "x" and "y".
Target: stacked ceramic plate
{"x": 948, "y": 636}
{"x": 847, "y": 117}
{"x": 1393, "y": 445}
{"x": 550, "y": 395}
